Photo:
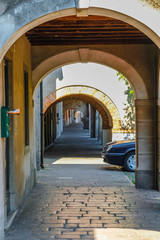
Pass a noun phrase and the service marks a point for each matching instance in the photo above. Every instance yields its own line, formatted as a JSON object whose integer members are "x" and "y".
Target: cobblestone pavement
{"x": 85, "y": 199}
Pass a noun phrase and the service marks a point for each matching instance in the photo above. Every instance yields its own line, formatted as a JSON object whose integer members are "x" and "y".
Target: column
{"x": 86, "y": 117}
{"x": 158, "y": 147}
{"x": 97, "y": 124}
{"x": 93, "y": 122}
{"x": 106, "y": 136}
{"x": 145, "y": 144}
{"x": 158, "y": 124}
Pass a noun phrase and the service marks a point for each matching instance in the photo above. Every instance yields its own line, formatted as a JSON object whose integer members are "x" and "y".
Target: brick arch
{"x": 95, "y": 97}
{"x": 93, "y": 102}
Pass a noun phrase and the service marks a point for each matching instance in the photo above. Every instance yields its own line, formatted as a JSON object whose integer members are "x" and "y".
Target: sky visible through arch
{"x": 97, "y": 76}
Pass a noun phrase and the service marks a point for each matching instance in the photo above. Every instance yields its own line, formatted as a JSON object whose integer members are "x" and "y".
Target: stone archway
{"x": 142, "y": 83}
{"x": 93, "y": 102}
{"x": 89, "y": 55}
{"x": 22, "y": 16}
{"x": 108, "y": 122}
{"x": 17, "y": 23}
{"x": 104, "y": 104}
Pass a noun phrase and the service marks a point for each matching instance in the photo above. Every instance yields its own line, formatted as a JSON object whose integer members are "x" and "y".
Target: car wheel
{"x": 130, "y": 162}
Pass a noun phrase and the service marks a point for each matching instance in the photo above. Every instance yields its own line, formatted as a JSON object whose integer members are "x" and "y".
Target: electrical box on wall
{"x": 4, "y": 122}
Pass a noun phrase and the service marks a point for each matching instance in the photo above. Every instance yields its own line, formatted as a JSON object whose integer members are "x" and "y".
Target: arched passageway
{"x": 88, "y": 55}
{"x": 95, "y": 97}
{"x": 19, "y": 24}
{"x": 139, "y": 62}
{"x": 139, "y": 75}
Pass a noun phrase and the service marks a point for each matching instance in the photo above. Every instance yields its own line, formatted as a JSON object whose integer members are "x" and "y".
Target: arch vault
{"x": 139, "y": 61}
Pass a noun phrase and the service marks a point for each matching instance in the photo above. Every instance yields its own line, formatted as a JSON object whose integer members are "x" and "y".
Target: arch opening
{"x": 27, "y": 24}
{"x": 94, "y": 56}
{"x": 92, "y": 94}
{"x": 138, "y": 70}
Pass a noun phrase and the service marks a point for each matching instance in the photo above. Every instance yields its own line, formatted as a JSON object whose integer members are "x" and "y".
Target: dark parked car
{"x": 121, "y": 153}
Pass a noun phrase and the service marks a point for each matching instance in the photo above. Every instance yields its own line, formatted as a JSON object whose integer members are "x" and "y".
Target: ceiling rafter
{"x": 86, "y": 30}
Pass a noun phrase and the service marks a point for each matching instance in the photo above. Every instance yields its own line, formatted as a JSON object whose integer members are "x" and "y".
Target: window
{"x": 26, "y": 108}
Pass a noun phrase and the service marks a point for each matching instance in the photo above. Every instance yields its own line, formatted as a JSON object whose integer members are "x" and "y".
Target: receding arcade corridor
{"x": 75, "y": 160}
{"x": 77, "y": 196}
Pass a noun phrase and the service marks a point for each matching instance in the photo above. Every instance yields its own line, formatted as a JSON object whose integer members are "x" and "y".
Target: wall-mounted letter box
{"x": 4, "y": 122}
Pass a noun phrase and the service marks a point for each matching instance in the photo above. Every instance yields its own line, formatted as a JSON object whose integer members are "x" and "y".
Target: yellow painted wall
{"x": 2, "y": 167}
{"x": 23, "y": 156}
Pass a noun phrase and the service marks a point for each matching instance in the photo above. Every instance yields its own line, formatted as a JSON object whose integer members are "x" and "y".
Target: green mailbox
{"x": 4, "y": 122}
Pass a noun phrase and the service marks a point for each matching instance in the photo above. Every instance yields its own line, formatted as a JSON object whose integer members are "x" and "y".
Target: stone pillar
{"x": 145, "y": 144}
{"x": 86, "y": 117}
{"x": 100, "y": 129}
{"x": 158, "y": 147}
{"x": 37, "y": 120}
{"x": 93, "y": 122}
{"x": 106, "y": 136}
{"x": 158, "y": 124}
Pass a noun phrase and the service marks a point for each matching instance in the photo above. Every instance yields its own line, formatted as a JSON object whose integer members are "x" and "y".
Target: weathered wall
{"x": 23, "y": 156}
{"x": 49, "y": 82}
{"x": 59, "y": 110}
{"x": 2, "y": 158}
{"x": 49, "y": 86}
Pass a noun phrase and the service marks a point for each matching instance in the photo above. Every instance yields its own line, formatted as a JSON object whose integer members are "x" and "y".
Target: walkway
{"x": 77, "y": 196}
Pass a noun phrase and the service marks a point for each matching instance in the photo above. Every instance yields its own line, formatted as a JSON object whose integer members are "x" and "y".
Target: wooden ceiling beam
{"x": 90, "y": 42}
{"x": 85, "y": 30}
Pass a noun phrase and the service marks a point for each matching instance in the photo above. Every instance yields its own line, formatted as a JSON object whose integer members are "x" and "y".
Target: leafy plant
{"x": 129, "y": 117}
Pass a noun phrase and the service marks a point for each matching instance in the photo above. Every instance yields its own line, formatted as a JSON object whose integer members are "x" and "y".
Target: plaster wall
{"x": 24, "y": 156}
{"x": 49, "y": 82}
{"x": 49, "y": 86}
{"x": 2, "y": 158}
{"x": 59, "y": 110}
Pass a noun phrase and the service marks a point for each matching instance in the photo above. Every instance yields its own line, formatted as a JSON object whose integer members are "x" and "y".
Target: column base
{"x": 144, "y": 179}
{"x": 158, "y": 182}
{"x": 106, "y": 136}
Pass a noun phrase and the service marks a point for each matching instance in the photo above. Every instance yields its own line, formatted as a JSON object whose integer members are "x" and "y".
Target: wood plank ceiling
{"x": 86, "y": 30}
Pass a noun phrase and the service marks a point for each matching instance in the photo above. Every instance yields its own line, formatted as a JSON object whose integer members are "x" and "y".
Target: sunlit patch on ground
{"x": 70, "y": 160}
{"x": 125, "y": 234}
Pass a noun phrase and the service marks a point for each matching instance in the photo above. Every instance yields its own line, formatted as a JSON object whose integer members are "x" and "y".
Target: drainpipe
{"x": 41, "y": 113}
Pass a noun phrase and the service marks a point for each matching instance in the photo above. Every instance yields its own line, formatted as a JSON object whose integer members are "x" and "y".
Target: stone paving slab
{"x": 86, "y": 201}
{"x": 130, "y": 216}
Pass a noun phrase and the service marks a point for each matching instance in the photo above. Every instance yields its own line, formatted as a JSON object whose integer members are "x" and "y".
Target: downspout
{"x": 41, "y": 113}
